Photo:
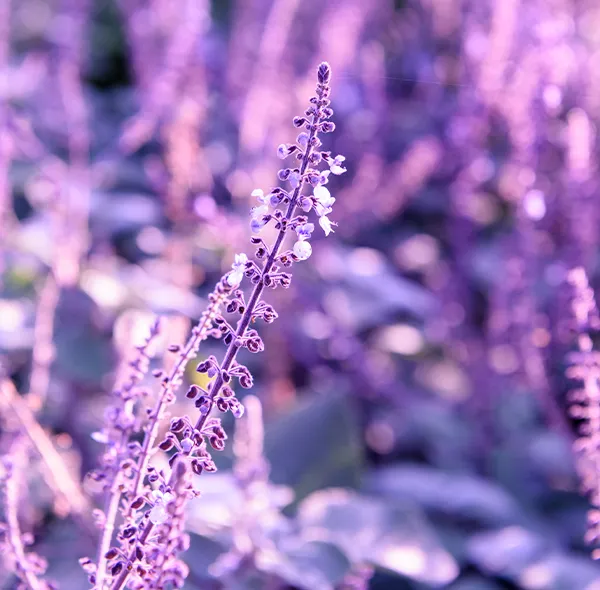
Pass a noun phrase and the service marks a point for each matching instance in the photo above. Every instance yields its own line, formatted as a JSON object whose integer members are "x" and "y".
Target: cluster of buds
{"x": 152, "y": 562}
{"x": 306, "y": 150}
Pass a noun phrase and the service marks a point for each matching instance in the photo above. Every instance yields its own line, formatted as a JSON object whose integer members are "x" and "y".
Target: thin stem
{"x": 62, "y": 483}
{"x": 13, "y": 533}
{"x": 43, "y": 348}
{"x": 128, "y": 401}
{"x": 109, "y": 527}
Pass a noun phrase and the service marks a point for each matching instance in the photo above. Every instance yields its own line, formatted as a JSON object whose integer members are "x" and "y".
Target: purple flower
{"x": 302, "y": 139}
{"x": 302, "y": 248}
{"x": 187, "y": 444}
{"x": 152, "y": 539}
{"x": 258, "y": 218}
{"x": 274, "y": 200}
{"x": 324, "y": 177}
{"x": 305, "y": 204}
{"x": 304, "y": 231}
{"x": 256, "y": 225}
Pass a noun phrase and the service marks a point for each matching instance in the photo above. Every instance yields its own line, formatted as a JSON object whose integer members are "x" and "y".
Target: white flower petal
{"x": 335, "y": 165}
{"x": 241, "y": 258}
{"x": 99, "y": 437}
{"x": 234, "y": 278}
{"x": 337, "y": 169}
{"x": 158, "y": 515}
{"x": 325, "y": 223}
{"x": 258, "y": 212}
{"x": 320, "y": 210}
{"x": 321, "y": 193}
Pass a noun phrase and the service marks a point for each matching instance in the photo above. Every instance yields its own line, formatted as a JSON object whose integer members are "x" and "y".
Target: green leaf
{"x": 458, "y": 495}
{"x": 309, "y": 566}
{"x": 393, "y": 536}
{"x": 317, "y": 445}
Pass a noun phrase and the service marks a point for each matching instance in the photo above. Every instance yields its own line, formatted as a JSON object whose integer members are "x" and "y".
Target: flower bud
{"x": 324, "y": 73}
{"x": 166, "y": 444}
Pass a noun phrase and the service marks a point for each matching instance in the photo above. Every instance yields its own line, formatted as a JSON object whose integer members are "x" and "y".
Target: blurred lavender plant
{"x": 585, "y": 401}
{"x": 122, "y": 424}
{"x": 151, "y": 539}
{"x": 28, "y": 566}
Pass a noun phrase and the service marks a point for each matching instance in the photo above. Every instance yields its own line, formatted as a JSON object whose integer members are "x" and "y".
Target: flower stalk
{"x": 191, "y": 440}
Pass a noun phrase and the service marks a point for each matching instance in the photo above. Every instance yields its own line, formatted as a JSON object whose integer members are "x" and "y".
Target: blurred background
{"x": 412, "y": 392}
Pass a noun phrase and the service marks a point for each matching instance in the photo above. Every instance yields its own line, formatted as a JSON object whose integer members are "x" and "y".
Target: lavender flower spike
{"x": 192, "y": 441}
{"x": 585, "y": 367}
